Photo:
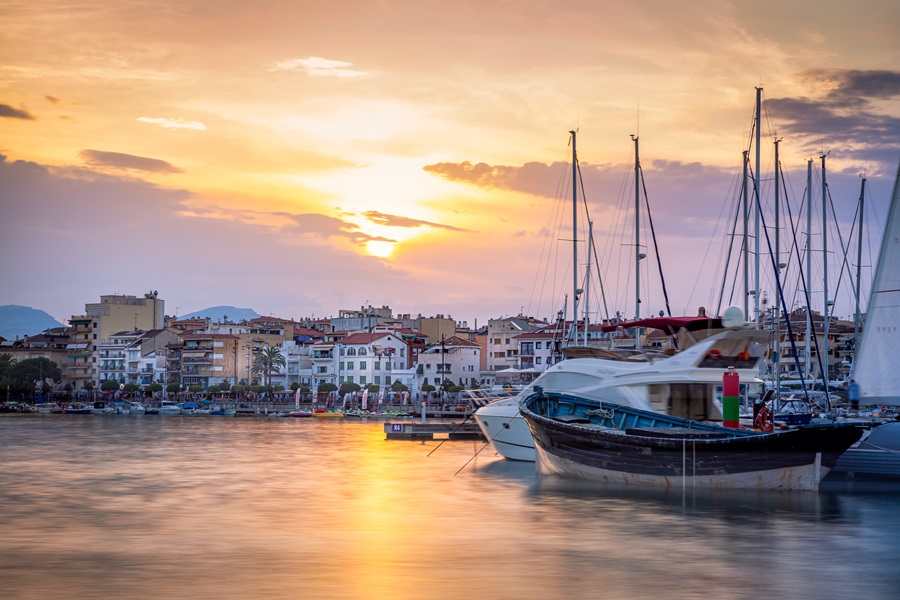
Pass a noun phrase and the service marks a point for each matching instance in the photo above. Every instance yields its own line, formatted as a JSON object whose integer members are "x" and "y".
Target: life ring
{"x": 764, "y": 419}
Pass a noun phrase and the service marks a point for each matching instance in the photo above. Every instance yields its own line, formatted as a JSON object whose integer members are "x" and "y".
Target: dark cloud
{"x": 846, "y": 120}
{"x": 52, "y": 99}
{"x": 15, "y": 113}
{"x": 118, "y": 160}
{"x": 398, "y": 221}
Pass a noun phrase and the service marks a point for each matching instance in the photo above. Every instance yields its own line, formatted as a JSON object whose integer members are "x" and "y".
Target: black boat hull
{"x": 676, "y": 454}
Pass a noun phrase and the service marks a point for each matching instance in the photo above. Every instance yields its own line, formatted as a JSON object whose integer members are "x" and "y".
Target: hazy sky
{"x": 302, "y": 157}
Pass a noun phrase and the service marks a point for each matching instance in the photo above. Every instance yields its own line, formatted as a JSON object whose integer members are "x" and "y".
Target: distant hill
{"x": 23, "y": 320}
{"x": 218, "y": 314}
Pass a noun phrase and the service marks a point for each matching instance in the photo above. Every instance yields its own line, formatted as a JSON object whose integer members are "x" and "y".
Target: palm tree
{"x": 269, "y": 359}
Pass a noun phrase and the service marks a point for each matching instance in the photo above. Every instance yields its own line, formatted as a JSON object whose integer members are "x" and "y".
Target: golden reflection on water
{"x": 205, "y": 507}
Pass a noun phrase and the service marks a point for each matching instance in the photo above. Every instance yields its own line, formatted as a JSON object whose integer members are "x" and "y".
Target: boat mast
{"x": 825, "y": 276}
{"x": 859, "y": 245}
{"x": 808, "y": 261}
{"x": 777, "y": 316}
{"x": 746, "y": 248}
{"x": 637, "y": 241}
{"x": 587, "y": 277}
{"x": 756, "y": 213}
{"x": 574, "y": 237}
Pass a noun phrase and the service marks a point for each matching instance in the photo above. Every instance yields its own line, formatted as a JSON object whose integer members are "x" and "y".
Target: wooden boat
{"x": 589, "y": 439}
{"x": 299, "y": 413}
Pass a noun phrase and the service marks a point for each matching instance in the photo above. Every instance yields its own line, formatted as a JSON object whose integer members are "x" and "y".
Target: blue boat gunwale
{"x": 618, "y": 417}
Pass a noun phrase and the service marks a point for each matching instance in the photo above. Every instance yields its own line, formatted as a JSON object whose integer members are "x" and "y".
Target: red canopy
{"x": 668, "y": 324}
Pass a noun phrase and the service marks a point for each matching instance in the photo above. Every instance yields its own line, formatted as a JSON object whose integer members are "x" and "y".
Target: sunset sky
{"x": 299, "y": 158}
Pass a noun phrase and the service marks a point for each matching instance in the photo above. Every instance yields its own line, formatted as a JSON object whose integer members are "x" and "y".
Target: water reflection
{"x": 181, "y": 507}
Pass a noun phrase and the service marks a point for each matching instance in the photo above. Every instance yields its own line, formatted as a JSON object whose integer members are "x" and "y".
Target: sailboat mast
{"x": 825, "y": 275}
{"x": 776, "y": 346}
{"x": 859, "y": 245}
{"x": 587, "y": 277}
{"x": 574, "y": 236}
{"x": 745, "y": 247}
{"x": 808, "y": 262}
{"x": 637, "y": 241}
{"x": 756, "y": 213}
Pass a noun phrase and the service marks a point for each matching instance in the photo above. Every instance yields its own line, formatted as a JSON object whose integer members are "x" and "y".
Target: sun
{"x": 380, "y": 249}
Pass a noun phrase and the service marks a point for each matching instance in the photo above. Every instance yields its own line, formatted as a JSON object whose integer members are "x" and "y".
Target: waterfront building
{"x": 113, "y": 314}
{"x": 503, "y": 352}
{"x": 208, "y": 358}
{"x": 137, "y": 357}
{"x": 453, "y": 359}
{"x": 436, "y": 328}
{"x": 79, "y": 355}
{"x": 370, "y": 358}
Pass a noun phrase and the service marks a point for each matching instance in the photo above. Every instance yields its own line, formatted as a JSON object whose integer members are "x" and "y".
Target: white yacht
{"x": 685, "y": 383}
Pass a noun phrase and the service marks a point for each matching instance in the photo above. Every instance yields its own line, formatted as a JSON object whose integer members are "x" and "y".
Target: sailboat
{"x": 877, "y": 457}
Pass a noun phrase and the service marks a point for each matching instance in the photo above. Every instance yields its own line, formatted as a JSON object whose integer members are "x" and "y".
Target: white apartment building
{"x": 455, "y": 359}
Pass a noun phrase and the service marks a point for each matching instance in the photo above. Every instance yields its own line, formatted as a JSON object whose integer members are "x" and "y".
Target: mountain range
{"x": 219, "y": 314}
{"x": 19, "y": 321}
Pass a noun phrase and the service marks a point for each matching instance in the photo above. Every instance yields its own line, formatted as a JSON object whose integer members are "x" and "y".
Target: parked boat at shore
{"x": 582, "y": 438}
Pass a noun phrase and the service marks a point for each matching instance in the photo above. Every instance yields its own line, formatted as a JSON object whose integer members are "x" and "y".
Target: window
{"x": 377, "y": 380}
{"x": 362, "y": 365}
{"x": 351, "y": 351}
{"x": 377, "y": 365}
{"x": 362, "y": 352}
{"x": 350, "y": 366}
{"x": 537, "y": 360}
{"x": 537, "y": 345}
{"x": 342, "y": 366}
{"x": 362, "y": 380}
{"x": 95, "y": 336}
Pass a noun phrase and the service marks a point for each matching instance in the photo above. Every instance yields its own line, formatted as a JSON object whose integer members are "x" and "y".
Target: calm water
{"x": 214, "y": 507}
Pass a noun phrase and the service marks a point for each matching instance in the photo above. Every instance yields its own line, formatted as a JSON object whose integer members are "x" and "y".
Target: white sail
{"x": 875, "y": 361}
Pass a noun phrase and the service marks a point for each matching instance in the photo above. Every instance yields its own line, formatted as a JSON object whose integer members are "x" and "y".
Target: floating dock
{"x": 429, "y": 431}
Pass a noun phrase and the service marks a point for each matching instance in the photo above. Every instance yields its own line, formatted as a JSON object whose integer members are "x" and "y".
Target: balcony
{"x": 197, "y": 360}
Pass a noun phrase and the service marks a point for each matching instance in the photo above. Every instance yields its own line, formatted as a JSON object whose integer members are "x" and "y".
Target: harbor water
{"x": 217, "y": 507}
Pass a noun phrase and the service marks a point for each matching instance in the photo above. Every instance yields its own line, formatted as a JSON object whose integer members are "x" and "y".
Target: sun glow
{"x": 380, "y": 249}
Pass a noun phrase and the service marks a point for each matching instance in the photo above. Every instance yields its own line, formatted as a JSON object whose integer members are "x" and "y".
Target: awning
{"x": 76, "y": 346}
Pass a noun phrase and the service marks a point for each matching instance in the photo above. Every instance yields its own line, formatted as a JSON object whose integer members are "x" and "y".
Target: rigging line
{"x": 547, "y": 247}
{"x": 788, "y": 320}
{"x": 602, "y": 288}
{"x": 593, "y": 244}
{"x": 737, "y": 214}
{"x": 725, "y": 240}
{"x": 815, "y": 338}
{"x": 655, "y": 246}
{"x": 454, "y": 430}
{"x": 846, "y": 249}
